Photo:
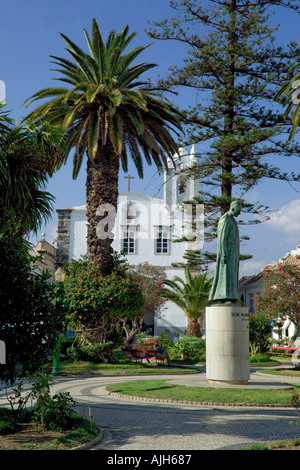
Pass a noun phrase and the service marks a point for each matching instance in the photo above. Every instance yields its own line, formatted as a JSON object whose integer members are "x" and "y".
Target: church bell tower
{"x": 177, "y": 186}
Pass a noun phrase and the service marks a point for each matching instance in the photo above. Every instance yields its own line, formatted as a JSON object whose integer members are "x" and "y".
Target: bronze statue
{"x": 226, "y": 280}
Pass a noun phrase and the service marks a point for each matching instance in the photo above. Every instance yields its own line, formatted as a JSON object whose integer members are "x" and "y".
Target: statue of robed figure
{"x": 226, "y": 280}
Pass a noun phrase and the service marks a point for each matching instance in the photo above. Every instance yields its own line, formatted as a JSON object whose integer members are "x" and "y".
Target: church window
{"x": 162, "y": 242}
{"x": 129, "y": 242}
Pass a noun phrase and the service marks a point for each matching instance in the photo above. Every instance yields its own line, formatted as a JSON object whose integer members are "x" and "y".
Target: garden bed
{"x": 27, "y": 435}
{"x": 30, "y": 436}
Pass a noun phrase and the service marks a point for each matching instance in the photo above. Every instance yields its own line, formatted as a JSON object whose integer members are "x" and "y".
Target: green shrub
{"x": 56, "y": 413}
{"x": 9, "y": 420}
{"x": 98, "y": 352}
{"x": 259, "y": 358}
{"x": 188, "y": 348}
{"x": 7, "y": 426}
{"x": 260, "y": 332}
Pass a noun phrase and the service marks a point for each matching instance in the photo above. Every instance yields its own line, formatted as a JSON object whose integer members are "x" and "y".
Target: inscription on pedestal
{"x": 227, "y": 344}
{"x": 243, "y": 316}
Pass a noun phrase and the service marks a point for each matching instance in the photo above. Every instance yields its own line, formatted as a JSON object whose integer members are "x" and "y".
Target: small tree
{"x": 150, "y": 281}
{"x": 191, "y": 296}
{"x": 29, "y": 320}
{"x": 96, "y": 304}
{"x": 281, "y": 295}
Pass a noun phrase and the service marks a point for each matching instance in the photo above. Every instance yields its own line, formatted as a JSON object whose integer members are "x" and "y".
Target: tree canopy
{"x": 28, "y": 155}
{"x": 233, "y": 69}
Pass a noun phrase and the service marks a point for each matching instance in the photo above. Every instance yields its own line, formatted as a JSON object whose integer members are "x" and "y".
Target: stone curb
{"x": 92, "y": 443}
{"x": 197, "y": 403}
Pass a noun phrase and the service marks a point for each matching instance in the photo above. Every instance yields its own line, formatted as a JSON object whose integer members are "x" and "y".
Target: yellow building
{"x": 47, "y": 258}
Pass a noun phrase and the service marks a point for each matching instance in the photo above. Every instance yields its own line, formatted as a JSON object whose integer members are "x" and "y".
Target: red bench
{"x": 145, "y": 350}
{"x": 283, "y": 350}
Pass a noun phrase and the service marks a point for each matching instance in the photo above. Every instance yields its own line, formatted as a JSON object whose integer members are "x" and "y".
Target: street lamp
{"x": 59, "y": 276}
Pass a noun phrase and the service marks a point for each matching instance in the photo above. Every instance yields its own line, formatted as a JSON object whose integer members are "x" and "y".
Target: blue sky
{"x": 29, "y": 34}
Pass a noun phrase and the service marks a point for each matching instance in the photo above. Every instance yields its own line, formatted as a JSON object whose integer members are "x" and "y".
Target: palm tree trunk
{"x": 194, "y": 329}
{"x": 102, "y": 197}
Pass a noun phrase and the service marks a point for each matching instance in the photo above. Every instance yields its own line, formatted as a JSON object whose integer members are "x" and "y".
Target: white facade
{"x": 146, "y": 226}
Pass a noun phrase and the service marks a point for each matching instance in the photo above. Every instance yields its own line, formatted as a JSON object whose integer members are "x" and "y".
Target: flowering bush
{"x": 95, "y": 304}
{"x": 281, "y": 296}
{"x": 150, "y": 280}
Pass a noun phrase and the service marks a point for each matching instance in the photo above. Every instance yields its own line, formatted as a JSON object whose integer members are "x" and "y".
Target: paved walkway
{"x": 129, "y": 424}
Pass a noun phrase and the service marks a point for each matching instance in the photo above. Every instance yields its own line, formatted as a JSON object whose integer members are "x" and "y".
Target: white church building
{"x": 145, "y": 229}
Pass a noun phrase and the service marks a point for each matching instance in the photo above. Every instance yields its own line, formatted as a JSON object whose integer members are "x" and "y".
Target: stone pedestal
{"x": 227, "y": 344}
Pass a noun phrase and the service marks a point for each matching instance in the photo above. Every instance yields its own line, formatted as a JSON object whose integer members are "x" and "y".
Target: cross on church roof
{"x": 129, "y": 178}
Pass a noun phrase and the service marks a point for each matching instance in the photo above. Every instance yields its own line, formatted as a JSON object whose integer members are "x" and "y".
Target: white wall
{"x": 78, "y": 234}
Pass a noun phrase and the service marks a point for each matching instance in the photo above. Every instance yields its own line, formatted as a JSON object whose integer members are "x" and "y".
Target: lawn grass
{"x": 290, "y": 372}
{"x": 75, "y": 368}
{"x": 162, "y": 389}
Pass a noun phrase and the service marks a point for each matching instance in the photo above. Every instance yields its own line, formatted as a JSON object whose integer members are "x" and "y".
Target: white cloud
{"x": 252, "y": 266}
{"x": 287, "y": 218}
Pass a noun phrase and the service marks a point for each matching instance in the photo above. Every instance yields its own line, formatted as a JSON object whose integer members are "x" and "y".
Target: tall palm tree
{"x": 191, "y": 296}
{"x": 107, "y": 114}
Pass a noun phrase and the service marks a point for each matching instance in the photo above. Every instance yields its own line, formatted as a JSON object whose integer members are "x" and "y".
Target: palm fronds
{"x": 191, "y": 294}
{"x": 107, "y": 103}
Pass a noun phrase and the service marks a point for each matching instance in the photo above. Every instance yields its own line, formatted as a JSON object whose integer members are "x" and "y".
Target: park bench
{"x": 144, "y": 350}
{"x": 283, "y": 350}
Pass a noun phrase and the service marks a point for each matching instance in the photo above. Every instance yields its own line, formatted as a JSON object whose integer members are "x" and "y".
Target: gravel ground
{"x": 144, "y": 425}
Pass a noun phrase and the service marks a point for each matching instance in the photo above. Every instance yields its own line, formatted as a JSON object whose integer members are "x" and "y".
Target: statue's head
{"x": 235, "y": 208}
